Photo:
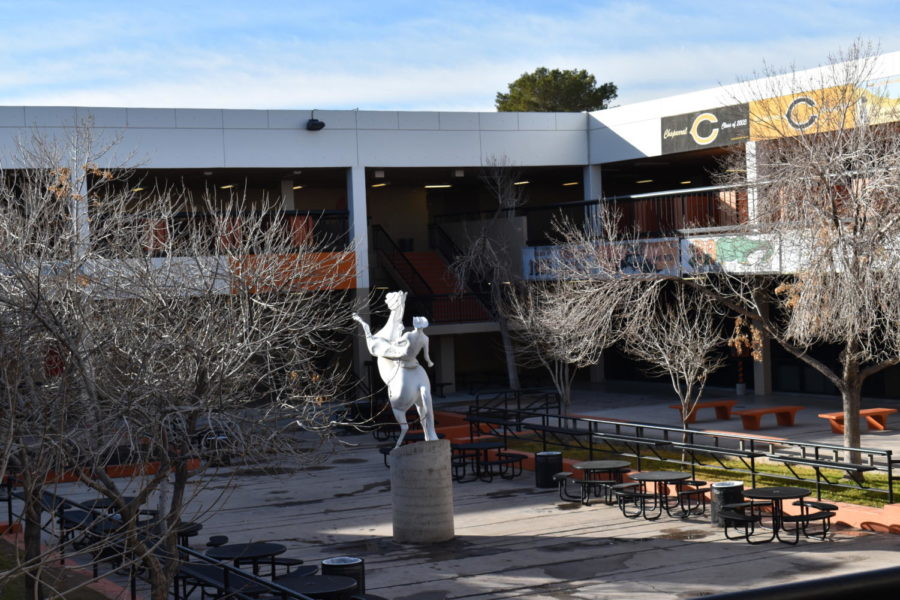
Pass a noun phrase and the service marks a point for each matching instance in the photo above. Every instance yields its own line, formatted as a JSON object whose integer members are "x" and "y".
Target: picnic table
{"x": 253, "y": 552}
{"x": 659, "y": 495}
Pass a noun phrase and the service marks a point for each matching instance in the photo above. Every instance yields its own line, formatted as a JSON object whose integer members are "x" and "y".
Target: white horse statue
{"x": 396, "y": 352}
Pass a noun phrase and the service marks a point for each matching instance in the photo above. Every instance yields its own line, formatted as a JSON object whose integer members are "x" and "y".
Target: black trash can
{"x": 348, "y": 566}
{"x": 546, "y": 465}
{"x": 724, "y": 492}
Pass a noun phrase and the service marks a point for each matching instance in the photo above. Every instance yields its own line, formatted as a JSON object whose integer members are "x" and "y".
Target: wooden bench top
{"x": 876, "y": 418}
{"x": 863, "y": 412}
{"x": 769, "y": 410}
{"x": 784, "y": 414}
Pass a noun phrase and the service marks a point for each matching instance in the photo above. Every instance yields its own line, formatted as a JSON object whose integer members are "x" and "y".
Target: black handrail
{"x": 183, "y": 551}
{"x": 880, "y": 583}
{"x": 578, "y": 432}
{"x": 391, "y": 252}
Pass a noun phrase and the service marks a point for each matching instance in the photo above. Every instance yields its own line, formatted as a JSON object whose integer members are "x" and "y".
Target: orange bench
{"x": 876, "y": 418}
{"x": 723, "y": 409}
{"x": 783, "y": 414}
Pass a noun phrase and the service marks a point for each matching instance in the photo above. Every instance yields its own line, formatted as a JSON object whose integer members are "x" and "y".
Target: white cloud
{"x": 446, "y": 56}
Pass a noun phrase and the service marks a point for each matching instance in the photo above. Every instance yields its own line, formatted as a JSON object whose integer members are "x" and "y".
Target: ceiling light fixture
{"x": 438, "y": 186}
{"x": 685, "y": 182}
{"x": 207, "y": 173}
{"x": 521, "y": 182}
{"x": 644, "y": 181}
{"x": 137, "y": 189}
{"x": 379, "y": 174}
{"x": 297, "y": 187}
{"x": 379, "y": 185}
{"x": 227, "y": 187}
{"x": 571, "y": 183}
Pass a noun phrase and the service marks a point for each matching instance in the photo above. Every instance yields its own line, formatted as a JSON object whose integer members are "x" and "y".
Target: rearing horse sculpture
{"x": 395, "y": 351}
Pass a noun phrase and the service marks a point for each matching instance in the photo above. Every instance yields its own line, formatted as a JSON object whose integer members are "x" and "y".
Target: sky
{"x": 399, "y": 55}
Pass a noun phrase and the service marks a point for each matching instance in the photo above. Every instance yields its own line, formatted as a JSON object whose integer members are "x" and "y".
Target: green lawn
{"x": 715, "y": 473}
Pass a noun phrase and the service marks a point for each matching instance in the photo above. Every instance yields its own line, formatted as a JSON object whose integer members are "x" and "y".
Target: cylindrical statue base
{"x": 422, "y": 491}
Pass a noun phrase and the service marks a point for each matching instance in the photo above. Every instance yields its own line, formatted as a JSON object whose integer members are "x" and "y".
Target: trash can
{"x": 348, "y": 566}
{"x": 724, "y": 492}
{"x": 546, "y": 465}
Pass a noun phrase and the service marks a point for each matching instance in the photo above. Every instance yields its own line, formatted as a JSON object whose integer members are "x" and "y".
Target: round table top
{"x": 313, "y": 585}
{"x": 660, "y": 476}
{"x": 249, "y": 550}
{"x": 776, "y": 493}
{"x": 601, "y": 465}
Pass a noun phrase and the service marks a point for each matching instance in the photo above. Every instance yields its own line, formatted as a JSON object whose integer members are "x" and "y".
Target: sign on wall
{"x": 705, "y": 129}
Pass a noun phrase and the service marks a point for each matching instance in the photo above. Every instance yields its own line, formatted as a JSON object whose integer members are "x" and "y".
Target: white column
{"x": 750, "y": 154}
{"x": 359, "y": 227}
{"x": 592, "y": 182}
{"x": 287, "y": 194}
{"x": 592, "y": 191}
{"x": 79, "y": 204}
{"x": 359, "y": 237}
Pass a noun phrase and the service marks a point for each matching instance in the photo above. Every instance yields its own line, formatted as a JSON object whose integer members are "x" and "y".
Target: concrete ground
{"x": 514, "y": 540}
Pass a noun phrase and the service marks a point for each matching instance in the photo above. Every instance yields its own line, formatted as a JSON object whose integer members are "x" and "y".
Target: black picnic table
{"x": 255, "y": 552}
{"x": 659, "y": 479}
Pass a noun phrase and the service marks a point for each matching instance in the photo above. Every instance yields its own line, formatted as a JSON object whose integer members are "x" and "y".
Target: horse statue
{"x": 396, "y": 352}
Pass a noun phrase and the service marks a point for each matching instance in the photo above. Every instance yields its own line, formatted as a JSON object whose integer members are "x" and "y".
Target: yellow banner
{"x": 805, "y": 113}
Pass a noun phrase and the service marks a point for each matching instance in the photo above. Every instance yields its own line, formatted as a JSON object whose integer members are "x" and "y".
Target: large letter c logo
{"x": 703, "y": 140}
{"x": 789, "y": 113}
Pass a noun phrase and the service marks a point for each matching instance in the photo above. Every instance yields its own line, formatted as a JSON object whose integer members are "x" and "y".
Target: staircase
{"x": 446, "y": 306}
{"x": 427, "y": 278}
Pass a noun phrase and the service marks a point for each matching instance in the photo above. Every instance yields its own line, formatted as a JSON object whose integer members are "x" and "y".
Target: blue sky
{"x": 424, "y": 55}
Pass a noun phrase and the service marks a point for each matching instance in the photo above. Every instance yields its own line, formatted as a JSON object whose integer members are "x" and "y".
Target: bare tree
{"x": 566, "y": 325}
{"x": 675, "y": 330}
{"x": 824, "y": 176}
{"x": 177, "y": 341}
{"x": 485, "y": 262}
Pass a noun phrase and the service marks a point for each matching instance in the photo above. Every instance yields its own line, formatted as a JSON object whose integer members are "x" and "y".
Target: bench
{"x": 783, "y": 414}
{"x": 722, "y": 407}
{"x": 876, "y": 418}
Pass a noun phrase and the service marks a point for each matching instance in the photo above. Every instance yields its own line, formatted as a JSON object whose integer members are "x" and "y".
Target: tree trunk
{"x": 851, "y": 395}
{"x": 512, "y": 371}
{"x": 33, "y": 588}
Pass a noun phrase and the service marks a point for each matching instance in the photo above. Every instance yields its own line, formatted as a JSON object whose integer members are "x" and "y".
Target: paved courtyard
{"x": 514, "y": 540}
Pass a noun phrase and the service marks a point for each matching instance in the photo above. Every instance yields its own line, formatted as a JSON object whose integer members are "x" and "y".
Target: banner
{"x": 705, "y": 129}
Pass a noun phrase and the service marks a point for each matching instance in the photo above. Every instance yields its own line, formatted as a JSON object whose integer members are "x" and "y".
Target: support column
{"x": 762, "y": 369}
{"x": 287, "y": 194}
{"x": 445, "y": 363}
{"x": 359, "y": 237}
{"x": 592, "y": 191}
{"x": 597, "y": 371}
{"x": 750, "y": 155}
{"x": 359, "y": 225}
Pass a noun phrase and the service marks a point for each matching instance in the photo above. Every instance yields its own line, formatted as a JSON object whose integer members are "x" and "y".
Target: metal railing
{"x": 588, "y": 434}
{"x": 327, "y": 230}
{"x": 643, "y": 215}
{"x": 53, "y": 504}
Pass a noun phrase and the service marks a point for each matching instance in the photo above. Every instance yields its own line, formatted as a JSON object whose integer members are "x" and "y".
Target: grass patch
{"x": 55, "y": 577}
{"x": 716, "y": 473}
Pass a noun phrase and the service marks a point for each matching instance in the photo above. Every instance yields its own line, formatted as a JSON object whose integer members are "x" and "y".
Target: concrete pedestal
{"x": 422, "y": 492}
